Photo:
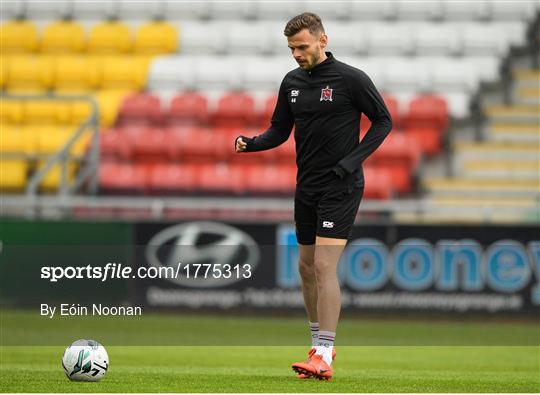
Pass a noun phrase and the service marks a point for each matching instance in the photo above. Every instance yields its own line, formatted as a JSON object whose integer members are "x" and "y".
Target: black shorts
{"x": 328, "y": 213}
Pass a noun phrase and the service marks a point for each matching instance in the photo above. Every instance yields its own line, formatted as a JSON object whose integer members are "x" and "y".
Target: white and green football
{"x": 85, "y": 360}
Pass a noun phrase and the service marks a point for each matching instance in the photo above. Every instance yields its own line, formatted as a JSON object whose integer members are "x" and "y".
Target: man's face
{"x": 307, "y": 48}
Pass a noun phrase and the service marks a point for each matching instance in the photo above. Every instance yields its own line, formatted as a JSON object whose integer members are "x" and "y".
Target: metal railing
{"x": 88, "y": 171}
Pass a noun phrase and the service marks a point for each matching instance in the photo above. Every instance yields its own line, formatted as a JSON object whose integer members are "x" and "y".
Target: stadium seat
{"x": 148, "y": 145}
{"x": 265, "y": 115}
{"x": 393, "y": 108}
{"x": 29, "y": 74}
{"x": 76, "y": 74}
{"x": 435, "y": 38}
{"x": 236, "y": 109}
{"x": 124, "y": 72}
{"x": 378, "y": 183}
{"x": 270, "y": 179}
{"x": 63, "y": 37}
{"x": 399, "y": 155}
{"x": 386, "y": 39}
{"x": 156, "y": 37}
{"x": 110, "y": 37}
{"x": 122, "y": 178}
{"x": 172, "y": 178}
{"x": 12, "y": 111}
{"x": 50, "y": 139}
{"x": 47, "y": 111}
{"x": 220, "y": 179}
{"x": 427, "y": 111}
{"x": 52, "y": 180}
{"x": 140, "y": 109}
{"x": 18, "y": 36}
{"x": 196, "y": 40}
{"x": 172, "y": 73}
{"x": 202, "y": 145}
{"x": 114, "y": 145}
{"x": 428, "y": 138}
{"x": 13, "y": 174}
{"x": 188, "y": 108}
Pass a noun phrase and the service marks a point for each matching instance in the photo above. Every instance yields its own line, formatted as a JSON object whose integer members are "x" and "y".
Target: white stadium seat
{"x": 372, "y": 10}
{"x": 465, "y": 10}
{"x": 389, "y": 38}
{"x": 418, "y": 10}
{"x": 202, "y": 38}
{"x": 172, "y": 73}
{"x": 435, "y": 39}
{"x": 483, "y": 39}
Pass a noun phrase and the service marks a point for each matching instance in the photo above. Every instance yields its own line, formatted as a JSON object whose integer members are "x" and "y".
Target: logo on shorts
{"x": 327, "y": 224}
{"x": 326, "y": 94}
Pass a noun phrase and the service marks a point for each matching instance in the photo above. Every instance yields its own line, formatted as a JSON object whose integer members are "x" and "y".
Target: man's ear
{"x": 323, "y": 40}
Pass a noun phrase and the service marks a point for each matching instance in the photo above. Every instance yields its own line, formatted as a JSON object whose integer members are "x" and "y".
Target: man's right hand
{"x": 241, "y": 145}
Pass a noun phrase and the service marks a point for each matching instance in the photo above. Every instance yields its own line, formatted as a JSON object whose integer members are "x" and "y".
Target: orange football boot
{"x": 300, "y": 367}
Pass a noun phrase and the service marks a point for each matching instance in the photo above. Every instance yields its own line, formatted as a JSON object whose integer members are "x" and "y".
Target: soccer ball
{"x": 85, "y": 360}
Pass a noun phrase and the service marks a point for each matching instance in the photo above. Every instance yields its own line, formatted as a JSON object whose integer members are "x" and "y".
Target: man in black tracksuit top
{"x": 323, "y": 99}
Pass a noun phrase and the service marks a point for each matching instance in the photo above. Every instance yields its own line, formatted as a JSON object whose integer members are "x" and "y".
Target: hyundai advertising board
{"x": 383, "y": 268}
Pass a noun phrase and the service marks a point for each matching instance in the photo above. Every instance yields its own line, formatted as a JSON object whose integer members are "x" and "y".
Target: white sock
{"x": 314, "y": 328}
{"x": 326, "y": 345}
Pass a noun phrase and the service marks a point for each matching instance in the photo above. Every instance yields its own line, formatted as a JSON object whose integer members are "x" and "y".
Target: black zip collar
{"x": 324, "y": 64}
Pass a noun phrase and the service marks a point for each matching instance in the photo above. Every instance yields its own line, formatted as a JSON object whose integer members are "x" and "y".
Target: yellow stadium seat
{"x": 109, "y": 104}
{"x": 51, "y": 139}
{"x": 124, "y": 72}
{"x": 12, "y": 140}
{"x": 52, "y": 180}
{"x": 27, "y": 74}
{"x": 156, "y": 38}
{"x": 47, "y": 111}
{"x": 109, "y": 37}
{"x": 11, "y": 111}
{"x": 3, "y": 70}
{"x": 63, "y": 37}
{"x": 13, "y": 174}
{"x": 18, "y": 37}
{"x": 76, "y": 74}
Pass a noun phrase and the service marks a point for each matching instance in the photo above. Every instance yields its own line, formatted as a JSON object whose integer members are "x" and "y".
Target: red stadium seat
{"x": 142, "y": 109}
{"x": 427, "y": 111}
{"x": 235, "y": 109}
{"x": 365, "y": 124}
{"x": 265, "y": 116}
{"x": 429, "y": 139}
{"x": 189, "y": 108}
{"x": 378, "y": 183}
{"x": 122, "y": 178}
{"x": 270, "y": 179}
{"x": 172, "y": 178}
{"x": 399, "y": 155}
{"x": 393, "y": 107}
{"x": 149, "y": 145}
{"x": 114, "y": 145}
{"x": 220, "y": 178}
{"x": 199, "y": 145}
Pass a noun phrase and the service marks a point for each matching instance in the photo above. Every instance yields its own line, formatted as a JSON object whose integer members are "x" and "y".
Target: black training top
{"x": 324, "y": 104}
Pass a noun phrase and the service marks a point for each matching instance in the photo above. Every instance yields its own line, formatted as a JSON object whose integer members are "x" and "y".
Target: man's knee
{"x": 324, "y": 268}
{"x": 306, "y": 269}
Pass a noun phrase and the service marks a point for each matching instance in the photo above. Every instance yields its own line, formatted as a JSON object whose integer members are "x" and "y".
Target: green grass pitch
{"x": 379, "y": 367}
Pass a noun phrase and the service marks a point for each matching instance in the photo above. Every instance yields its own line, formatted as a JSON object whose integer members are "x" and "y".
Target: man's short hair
{"x": 307, "y": 20}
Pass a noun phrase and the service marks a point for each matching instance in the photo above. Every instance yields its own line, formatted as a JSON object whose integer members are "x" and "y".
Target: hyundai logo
{"x": 210, "y": 244}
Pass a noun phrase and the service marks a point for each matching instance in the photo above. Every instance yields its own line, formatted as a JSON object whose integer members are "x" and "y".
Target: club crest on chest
{"x": 326, "y": 94}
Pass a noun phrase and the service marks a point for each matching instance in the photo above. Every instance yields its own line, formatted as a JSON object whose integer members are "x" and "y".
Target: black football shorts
{"x": 329, "y": 213}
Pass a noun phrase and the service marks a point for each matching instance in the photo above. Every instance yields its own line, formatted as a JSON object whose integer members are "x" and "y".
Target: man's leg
{"x": 327, "y": 254}
{"x": 306, "y": 267}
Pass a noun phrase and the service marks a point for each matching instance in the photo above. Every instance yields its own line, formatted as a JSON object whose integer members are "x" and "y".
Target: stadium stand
{"x": 176, "y": 82}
